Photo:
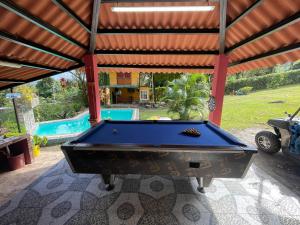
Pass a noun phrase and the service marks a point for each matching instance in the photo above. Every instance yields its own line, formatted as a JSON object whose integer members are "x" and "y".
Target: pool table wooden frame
{"x": 202, "y": 162}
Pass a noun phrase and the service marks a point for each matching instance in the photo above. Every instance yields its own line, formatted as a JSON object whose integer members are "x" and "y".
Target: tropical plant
{"x": 187, "y": 95}
{"x": 40, "y": 141}
{"x": 37, "y": 143}
{"x": 159, "y": 93}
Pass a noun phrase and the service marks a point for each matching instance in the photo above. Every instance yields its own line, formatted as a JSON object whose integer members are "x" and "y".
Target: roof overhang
{"x": 44, "y": 38}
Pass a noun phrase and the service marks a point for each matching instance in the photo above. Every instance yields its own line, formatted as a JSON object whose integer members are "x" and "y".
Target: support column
{"x": 16, "y": 112}
{"x": 91, "y": 71}
{"x": 218, "y": 87}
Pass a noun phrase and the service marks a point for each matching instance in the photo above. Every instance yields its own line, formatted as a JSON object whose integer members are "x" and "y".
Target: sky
{"x": 66, "y": 75}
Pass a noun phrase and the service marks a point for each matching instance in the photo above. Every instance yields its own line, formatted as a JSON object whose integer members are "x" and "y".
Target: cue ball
{"x": 115, "y": 131}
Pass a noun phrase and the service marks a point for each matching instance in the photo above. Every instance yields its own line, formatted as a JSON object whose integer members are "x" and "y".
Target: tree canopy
{"x": 46, "y": 87}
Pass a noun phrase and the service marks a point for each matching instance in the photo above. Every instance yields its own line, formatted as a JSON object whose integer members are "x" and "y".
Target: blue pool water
{"x": 81, "y": 124}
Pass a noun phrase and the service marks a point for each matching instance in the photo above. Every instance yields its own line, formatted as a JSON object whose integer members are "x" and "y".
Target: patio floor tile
{"x": 60, "y": 197}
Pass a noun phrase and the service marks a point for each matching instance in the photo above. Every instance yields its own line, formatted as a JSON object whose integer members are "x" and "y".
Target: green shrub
{"x": 11, "y": 126}
{"x": 275, "y": 81}
{"x": 77, "y": 107}
{"x": 13, "y": 134}
{"x": 264, "y": 82}
{"x": 40, "y": 141}
{"x": 62, "y": 105}
{"x": 244, "y": 90}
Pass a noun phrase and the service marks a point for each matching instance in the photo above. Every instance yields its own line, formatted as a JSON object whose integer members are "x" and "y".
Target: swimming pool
{"x": 81, "y": 123}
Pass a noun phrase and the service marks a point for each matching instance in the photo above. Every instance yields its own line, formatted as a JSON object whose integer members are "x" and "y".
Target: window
{"x": 144, "y": 95}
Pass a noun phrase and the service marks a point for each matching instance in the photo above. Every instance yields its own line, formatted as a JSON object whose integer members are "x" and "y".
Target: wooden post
{"x": 92, "y": 79}
{"x": 16, "y": 113}
{"x": 153, "y": 88}
{"x": 218, "y": 87}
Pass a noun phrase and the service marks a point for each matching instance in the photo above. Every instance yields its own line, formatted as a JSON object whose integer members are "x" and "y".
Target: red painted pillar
{"x": 91, "y": 71}
{"x": 218, "y": 87}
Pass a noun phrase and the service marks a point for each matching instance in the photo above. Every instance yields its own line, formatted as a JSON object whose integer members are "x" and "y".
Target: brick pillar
{"x": 218, "y": 87}
{"x": 91, "y": 71}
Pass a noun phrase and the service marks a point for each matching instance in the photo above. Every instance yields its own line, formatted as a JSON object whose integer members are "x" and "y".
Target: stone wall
{"x": 26, "y": 116}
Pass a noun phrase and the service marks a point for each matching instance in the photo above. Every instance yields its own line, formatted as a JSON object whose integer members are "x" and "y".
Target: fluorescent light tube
{"x": 163, "y": 9}
{"x": 8, "y": 64}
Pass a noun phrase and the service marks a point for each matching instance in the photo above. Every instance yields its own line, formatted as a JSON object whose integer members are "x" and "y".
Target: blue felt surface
{"x": 158, "y": 134}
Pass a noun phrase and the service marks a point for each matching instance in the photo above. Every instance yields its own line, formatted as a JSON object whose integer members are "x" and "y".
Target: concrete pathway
{"x": 14, "y": 181}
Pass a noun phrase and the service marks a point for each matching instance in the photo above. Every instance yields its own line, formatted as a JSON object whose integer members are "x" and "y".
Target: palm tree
{"x": 187, "y": 95}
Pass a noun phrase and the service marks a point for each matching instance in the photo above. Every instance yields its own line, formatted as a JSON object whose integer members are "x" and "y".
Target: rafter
{"x": 31, "y": 65}
{"x": 222, "y": 32}
{"x": 244, "y": 13}
{"x": 95, "y": 20}
{"x": 275, "y": 52}
{"x": 278, "y": 26}
{"x": 151, "y": 1}
{"x": 213, "y": 31}
{"x": 64, "y": 7}
{"x": 9, "y": 5}
{"x": 42, "y": 76}
{"x": 12, "y": 81}
{"x": 29, "y": 44}
{"x": 153, "y": 66}
{"x": 155, "y": 52}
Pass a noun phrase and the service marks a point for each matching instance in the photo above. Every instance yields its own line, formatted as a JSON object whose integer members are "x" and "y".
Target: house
{"x": 124, "y": 88}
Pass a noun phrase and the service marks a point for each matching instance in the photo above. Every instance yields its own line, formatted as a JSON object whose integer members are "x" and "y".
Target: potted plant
{"x": 15, "y": 158}
{"x": 37, "y": 143}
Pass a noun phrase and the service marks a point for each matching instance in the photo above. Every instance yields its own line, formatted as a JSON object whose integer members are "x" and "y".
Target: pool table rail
{"x": 237, "y": 145}
{"x": 158, "y": 148}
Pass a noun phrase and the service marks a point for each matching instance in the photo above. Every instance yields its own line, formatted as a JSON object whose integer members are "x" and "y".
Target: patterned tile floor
{"x": 60, "y": 197}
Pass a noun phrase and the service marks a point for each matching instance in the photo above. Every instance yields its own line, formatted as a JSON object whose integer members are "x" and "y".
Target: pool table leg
{"x": 109, "y": 181}
{"x": 201, "y": 184}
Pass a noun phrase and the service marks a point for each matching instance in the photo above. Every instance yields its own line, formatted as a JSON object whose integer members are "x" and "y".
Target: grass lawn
{"x": 256, "y": 108}
{"x": 249, "y": 110}
{"x": 146, "y": 114}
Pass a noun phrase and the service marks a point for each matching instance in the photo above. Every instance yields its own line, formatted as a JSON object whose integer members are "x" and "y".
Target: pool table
{"x": 159, "y": 148}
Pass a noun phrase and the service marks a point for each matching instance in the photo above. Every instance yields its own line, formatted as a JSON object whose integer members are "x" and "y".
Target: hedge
{"x": 273, "y": 80}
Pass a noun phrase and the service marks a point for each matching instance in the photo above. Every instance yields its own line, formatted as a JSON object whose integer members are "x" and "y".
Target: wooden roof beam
{"x": 95, "y": 20}
{"x": 155, "y": 52}
{"x": 154, "y": 66}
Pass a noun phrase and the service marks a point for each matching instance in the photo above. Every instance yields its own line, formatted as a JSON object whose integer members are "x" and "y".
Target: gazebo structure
{"x": 39, "y": 39}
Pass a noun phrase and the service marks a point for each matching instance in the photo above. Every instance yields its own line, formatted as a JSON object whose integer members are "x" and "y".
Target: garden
{"x": 252, "y": 97}
{"x": 246, "y": 111}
